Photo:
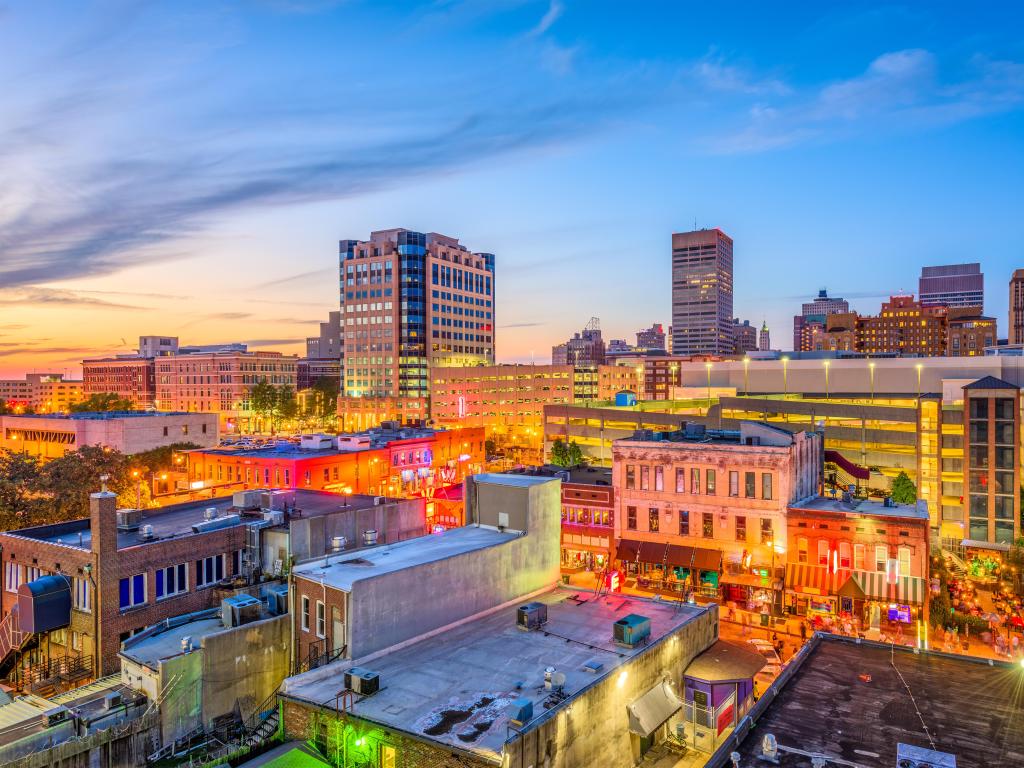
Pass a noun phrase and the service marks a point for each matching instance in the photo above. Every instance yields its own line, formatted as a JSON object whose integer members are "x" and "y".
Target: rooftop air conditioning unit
{"x": 631, "y": 630}
{"x": 274, "y": 516}
{"x": 239, "y": 609}
{"x": 210, "y": 513}
{"x": 909, "y": 756}
{"x": 378, "y": 500}
{"x": 54, "y": 716}
{"x": 112, "y": 700}
{"x": 277, "y": 599}
{"x": 246, "y": 499}
{"x": 363, "y": 681}
{"x": 129, "y": 519}
{"x": 531, "y": 616}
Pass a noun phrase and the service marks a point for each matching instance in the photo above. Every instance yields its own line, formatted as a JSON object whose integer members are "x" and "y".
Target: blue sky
{"x": 188, "y": 168}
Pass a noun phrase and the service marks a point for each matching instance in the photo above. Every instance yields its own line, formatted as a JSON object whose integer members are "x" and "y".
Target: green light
{"x": 360, "y": 742}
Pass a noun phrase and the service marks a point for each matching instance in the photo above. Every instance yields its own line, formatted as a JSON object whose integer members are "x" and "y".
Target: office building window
{"x": 209, "y": 570}
{"x": 844, "y": 554}
{"x": 695, "y": 480}
{"x": 858, "y": 556}
{"x": 904, "y": 557}
{"x": 133, "y": 591}
{"x": 321, "y": 620}
{"x": 12, "y": 576}
{"x": 708, "y": 525}
{"x": 82, "y": 596}
{"x": 801, "y": 550}
{"x": 171, "y": 581}
{"x": 881, "y": 555}
{"x": 645, "y": 477}
{"x": 631, "y": 518}
{"x": 767, "y": 533}
{"x": 741, "y": 528}
{"x": 653, "y": 520}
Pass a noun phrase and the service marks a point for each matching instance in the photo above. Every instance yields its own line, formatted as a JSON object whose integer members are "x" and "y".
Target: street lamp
{"x": 746, "y": 380}
{"x": 138, "y": 489}
{"x": 826, "y": 363}
{"x": 871, "y": 369}
{"x": 919, "y": 367}
{"x": 707, "y": 365}
{"x": 785, "y": 377}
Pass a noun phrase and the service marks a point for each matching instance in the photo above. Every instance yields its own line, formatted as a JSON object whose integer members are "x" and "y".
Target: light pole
{"x": 746, "y": 379}
{"x": 827, "y": 363}
{"x": 785, "y": 377}
{"x": 871, "y": 369}
{"x": 138, "y": 489}
{"x": 707, "y": 366}
{"x": 918, "y": 367}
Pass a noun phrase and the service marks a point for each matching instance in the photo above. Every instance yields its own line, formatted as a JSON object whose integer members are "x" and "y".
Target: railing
{"x": 64, "y": 669}
{"x": 316, "y": 658}
{"x": 854, "y": 470}
{"x": 11, "y": 636}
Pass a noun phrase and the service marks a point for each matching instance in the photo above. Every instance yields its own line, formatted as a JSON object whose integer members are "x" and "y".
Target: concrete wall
{"x": 393, "y": 521}
{"x": 596, "y": 730}
{"x": 395, "y": 607}
{"x": 110, "y": 748}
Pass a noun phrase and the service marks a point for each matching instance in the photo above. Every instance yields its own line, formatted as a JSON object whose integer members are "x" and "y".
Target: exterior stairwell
{"x": 12, "y": 638}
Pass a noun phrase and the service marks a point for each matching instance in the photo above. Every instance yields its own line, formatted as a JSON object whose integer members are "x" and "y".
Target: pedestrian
{"x": 803, "y": 631}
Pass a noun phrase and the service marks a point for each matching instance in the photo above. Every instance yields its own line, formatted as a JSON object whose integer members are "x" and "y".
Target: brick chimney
{"x": 103, "y": 522}
{"x": 103, "y": 528}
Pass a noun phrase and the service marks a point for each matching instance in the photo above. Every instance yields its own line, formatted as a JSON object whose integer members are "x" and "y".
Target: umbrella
{"x": 994, "y": 618}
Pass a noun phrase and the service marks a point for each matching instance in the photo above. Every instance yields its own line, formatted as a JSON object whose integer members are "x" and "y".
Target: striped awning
{"x": 906, "y": 590}
{"x": 814, "y": 579}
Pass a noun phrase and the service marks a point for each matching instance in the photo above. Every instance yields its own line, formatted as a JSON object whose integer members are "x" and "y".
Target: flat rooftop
{"x": 972, "y": 710}
{"x": 458, "y": 691}
{"x": 177, "y": 520}
{"x": 343, "y": 571}
{"x": 102, "y": 415}
{"x": 858, "y": 507}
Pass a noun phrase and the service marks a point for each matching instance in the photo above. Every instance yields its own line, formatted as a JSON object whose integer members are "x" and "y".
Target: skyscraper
{"x": 1017, "y": 307}
{"x": 652, "y": 338}
{"x": 953, "y": 285}
{"x": 813, "y": 318}
{"x": 764, "y": 339}
{"x": 701, "y": 292}
{"x": 410, "y": 301}
{"x": 583, "y": 349}
{"x": 744, "y": 336}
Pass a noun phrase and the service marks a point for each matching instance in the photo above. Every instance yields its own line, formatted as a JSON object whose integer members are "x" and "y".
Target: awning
{"x": 626, "y": 549}
{"x": 652, "y": 552}
{"x": 906, "y": 590}
{"x": 814, "y": 579}
{"x": 652, "y": 709}
{"x": 694, "y": 557}
{"x": 749, "y": 580}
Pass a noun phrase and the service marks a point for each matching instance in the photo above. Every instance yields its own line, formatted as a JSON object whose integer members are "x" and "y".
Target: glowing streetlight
{"x": 746, "y": 380}
{"x": 826, "y": 363}
{"x": 707, "y": 365}
{"x": 871, "y": 369}
{"x": 785, "y": 377}
{"x": 919, "y": 367}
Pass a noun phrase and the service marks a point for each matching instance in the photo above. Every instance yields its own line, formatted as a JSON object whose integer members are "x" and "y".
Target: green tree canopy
{"x": 103, "y": 401}
{"x": 903, "y": 490}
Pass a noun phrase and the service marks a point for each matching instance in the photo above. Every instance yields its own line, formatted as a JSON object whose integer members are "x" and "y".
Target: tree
{"x": 563, "y": 455}
{"x": 324, "y": 402}
{"x": 19, "y": 481}
{"x": 67, "y": 481}
{"x": 287, "y": 407}
{"x": 103, "y": 401}
{"x": 903, "y": 490}
{"x": 263, "y": 399}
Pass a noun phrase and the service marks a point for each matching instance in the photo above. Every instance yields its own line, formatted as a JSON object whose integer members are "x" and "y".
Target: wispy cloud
{"x": 41, "y": 296}
{"x": 272, "y": 342}
{"x": 714, "y": 73}
{"x": 555, "y": 10}
{"x": 899, "y": 90}
{"x": 521, "y": 325}
{"x": 312, "y": 276}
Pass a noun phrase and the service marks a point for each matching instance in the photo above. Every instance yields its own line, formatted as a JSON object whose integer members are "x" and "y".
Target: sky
{"x": 188, "y": 168}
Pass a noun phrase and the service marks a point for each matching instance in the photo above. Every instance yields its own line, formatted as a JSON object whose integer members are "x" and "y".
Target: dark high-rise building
{"x": 583, "y": 349}
{"x": 813, "y": 318}
{"x": 744, "y": 336}
{"x": 702, "y": 292}
{"x": 1016, "y": 332}
{"x": 652, "y": 338}
{"x": 953, "y": 285}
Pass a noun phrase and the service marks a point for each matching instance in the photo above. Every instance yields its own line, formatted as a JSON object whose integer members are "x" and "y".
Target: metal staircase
{"x": 12, "y": 638}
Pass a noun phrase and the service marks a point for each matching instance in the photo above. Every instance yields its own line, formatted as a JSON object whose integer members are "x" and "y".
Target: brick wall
{"x": 307, "y": 639}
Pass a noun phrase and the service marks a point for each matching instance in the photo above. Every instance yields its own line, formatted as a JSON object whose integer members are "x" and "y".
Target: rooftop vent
{"x": 129, "y": 519}
{"x": 631, "y": 630}
{"x": 277, "y": 599}
{"x": 361, "y": 680}
{"x": 888, "y": 502}
{"x": 909, "y": 756}
{"x": 338, "y": 543}
{"x": 239, "y": 609}
{"x": 521, "y": 712}
{"x": 531, "y": 616}
{"x": 246, "y": 500}
{"x": 186, "y": 643}
{"x": 146, "y": 533}
{"x": 210, "y": 513}
{"x": 212, "y": 525}
{"x": 370, "y": 537}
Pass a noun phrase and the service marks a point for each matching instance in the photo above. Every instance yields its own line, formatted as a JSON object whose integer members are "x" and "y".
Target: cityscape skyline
{"x": 248, "y": 253}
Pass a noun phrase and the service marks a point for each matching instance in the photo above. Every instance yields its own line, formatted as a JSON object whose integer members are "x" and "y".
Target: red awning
{"x": 814, "y": 579}
{"x": 694, "y": 557}
{"x": 627, "y": 549}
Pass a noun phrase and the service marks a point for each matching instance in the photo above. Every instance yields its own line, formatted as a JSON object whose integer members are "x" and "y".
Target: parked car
{"x": 767, "y": 650}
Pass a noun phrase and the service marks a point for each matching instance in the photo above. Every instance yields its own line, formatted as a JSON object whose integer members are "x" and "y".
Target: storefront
{"x": 811, "y": 590}
{"x": 875, "y": 598}
{"x": 673, "y": 567}
{"x": 754, "y": 591}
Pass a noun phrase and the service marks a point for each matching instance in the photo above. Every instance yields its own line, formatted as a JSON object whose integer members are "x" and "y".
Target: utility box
{"x": 44, "y": 604}
{"x": 631, "y": 630}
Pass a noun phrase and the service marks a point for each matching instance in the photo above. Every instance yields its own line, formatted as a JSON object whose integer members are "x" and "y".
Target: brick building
{"x": 859, "y": 559}
{"x": 42, "y": 392}
{"x": 130, "y": 377}
{"x": 706, "y": 509}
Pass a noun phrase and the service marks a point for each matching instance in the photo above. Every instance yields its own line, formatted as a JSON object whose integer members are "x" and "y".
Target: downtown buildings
{"x": 41, "y": 393}
{"x": 955, "y": 286}
{"x": 812, "y": 319}
{"x": 410, "y": 301}
{"x": 702, "y": 287}
{"x": 585, "y": 348}
{"x": 1016, "y": 318}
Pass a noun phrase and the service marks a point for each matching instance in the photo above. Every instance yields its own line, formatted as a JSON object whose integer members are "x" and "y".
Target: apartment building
{"x": 130, "y": 377}
{"x": 41, "y": 392}
{"x": 701, "y": 509}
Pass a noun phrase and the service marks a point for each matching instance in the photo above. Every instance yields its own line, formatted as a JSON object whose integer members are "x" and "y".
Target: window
{"x": 904, "y": 557}
{"x": 734, "y": 483}
{"x": 844, "y": 554}
{"x": 659, "y": 478}
{"x": 32, "y": 573}
{"x": 645, "y": 477}
{"x": 653, "y": 520}
{"x": 881, "y": 555}
{"x": 388, "y": 756}
{"x": 801, "y": 550}
{"x": 305, "y": 614}
{"x": 209, "y": 570}
{"x": 12, "y": 576}
{"x": 767, "y": 532}
{"x": 171, "y": 581}
{"x": 684, "y": 523}
{"x": 741, "y": 528}
{"x": 76, "y": 641}
{"x": 708, "y": 525}
{"x": 822, "y": 552}
{"x": 858, "y": 557}
{"x": 748, "y": 485}
{"x": 236, "y": 562}
{"x": 766, "y": 485}
{"x": 709, "y": 482}
{"x": 630, "y": 476}
{"x": 82, "y": 597}
{"x": 631, "y": 518}
{"x": 680, "y": 481}
{"x": 694, "y": 481}
{"x": 321, "y": 619}
{"x": 133, "y": 591}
